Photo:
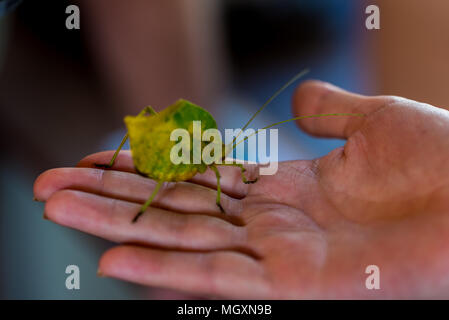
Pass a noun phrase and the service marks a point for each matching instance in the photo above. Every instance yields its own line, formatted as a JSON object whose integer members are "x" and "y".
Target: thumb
{"x": 317, "y": 97}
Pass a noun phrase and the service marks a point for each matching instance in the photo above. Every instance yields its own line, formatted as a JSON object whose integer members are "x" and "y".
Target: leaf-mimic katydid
{"x": 149, "y": 133}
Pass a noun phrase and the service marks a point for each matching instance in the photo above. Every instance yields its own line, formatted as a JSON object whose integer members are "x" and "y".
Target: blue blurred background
{"x": 64, "y": 92}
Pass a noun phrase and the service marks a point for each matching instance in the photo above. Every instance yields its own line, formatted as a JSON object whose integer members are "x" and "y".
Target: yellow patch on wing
{"x": 151, "y": 146}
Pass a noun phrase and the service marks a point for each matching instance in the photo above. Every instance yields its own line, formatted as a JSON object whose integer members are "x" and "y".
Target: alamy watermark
{"x": 189, "y": 150}
{"x": 72, "y": 282}
{"x": 372, "y": 22}
{"x": 372, "y": 282}
{"x": 73, "y": 19}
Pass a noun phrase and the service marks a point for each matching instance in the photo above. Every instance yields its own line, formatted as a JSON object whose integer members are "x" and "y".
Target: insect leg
{"x": 111, "y": 163}
{"x": 245, "y": 181}
{"x": 148, "y": 202}
{"x": 217, "y": 174}
{"x": 149, "y": 110}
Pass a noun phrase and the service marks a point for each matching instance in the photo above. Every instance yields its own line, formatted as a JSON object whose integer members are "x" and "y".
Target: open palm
{"x": 309, "y": 231}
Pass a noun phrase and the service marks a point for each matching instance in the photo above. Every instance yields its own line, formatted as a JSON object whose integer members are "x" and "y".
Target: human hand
{"x": 309, "y": 231}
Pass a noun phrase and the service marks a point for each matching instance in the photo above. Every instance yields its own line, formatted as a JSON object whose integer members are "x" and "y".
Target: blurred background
{"x": 64, "y": 93}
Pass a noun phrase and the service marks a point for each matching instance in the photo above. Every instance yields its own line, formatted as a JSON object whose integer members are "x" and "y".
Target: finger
{"x": 231, "y": 178}
{"x": 316, "y": 97}
{"x": 227, "y": 274}
{"x": 181, "y": 197}
{"x": 111, "y": 219}
{"x": 123, "y": 162}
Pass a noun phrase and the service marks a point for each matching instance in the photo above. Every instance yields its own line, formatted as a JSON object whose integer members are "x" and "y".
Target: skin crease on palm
{"x": 309, "y": 231}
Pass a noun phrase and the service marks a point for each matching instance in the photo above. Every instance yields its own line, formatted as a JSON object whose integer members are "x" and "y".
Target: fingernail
{"x": 100, "y": 274}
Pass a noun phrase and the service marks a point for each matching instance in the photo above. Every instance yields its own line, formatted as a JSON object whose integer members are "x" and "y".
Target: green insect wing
{"x": 149, "y": 138}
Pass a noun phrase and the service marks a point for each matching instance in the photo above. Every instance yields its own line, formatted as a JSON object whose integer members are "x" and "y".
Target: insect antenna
{"x": 297, "y": 118}
{"x": 285, "y": 86}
